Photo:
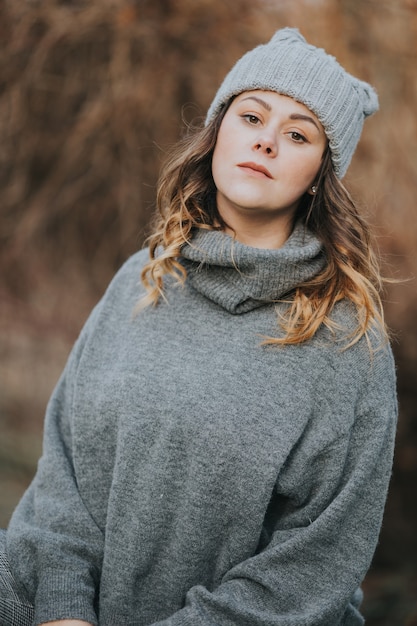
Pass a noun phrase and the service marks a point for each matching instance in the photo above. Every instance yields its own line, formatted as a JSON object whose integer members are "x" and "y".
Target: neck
{"x": 258, "y": 231}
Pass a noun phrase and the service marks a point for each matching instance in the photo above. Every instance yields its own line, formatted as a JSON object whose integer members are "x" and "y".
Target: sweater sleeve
{"x": 54, "y": 546}
{"x": 322, "y": 542}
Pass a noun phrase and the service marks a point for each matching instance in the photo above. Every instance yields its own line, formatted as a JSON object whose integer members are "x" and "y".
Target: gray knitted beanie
{"x": 292, "y": 67}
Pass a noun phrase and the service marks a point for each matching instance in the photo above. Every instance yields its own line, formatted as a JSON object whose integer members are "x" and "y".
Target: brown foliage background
{"x": 91, "y": 95}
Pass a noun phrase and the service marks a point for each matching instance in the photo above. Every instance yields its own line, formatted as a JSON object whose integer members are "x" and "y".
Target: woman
{"x": 222, "y": 456}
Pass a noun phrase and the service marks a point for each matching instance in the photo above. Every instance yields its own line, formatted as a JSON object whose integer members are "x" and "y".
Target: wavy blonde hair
{"x": 186, "y": 199}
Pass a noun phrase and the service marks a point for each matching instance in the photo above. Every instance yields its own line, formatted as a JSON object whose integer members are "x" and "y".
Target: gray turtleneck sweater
{"x": 193, "y": 477}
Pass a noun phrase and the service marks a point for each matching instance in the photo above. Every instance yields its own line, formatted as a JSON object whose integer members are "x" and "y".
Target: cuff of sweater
{"x": 64, "y": 595}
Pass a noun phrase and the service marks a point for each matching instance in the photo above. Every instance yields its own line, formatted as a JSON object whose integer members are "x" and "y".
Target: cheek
{"x": 225, "y": 141}
{"x": 219, "y": 160}
{"x": 214, "y": 166}
{"x": 307, "y": 170}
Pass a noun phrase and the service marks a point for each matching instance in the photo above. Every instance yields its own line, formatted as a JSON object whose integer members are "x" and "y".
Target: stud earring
{"x": 313, "y": 189}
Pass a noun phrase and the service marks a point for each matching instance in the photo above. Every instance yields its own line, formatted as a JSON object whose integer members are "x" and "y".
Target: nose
{"x": 266, "y": 143}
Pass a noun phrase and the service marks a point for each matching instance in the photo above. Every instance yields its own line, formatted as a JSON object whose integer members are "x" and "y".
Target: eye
{"x": 297, "y": 137}
{"x": 251, "y": 118}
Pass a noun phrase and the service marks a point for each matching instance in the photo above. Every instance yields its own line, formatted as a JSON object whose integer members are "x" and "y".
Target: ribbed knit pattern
{"x": 290, "y": 66}
{"x": 193, "y": 477}
{"x": 241, "y": 278}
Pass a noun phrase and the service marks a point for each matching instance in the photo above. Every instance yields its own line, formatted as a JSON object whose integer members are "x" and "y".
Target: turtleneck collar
{"x": 241, "y": 278}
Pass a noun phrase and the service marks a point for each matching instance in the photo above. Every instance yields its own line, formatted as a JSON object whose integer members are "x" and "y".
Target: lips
{"x": 255, "y": 167}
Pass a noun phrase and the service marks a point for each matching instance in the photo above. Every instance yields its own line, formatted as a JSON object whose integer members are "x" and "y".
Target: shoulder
{"x": 125, "y": 287}
{"x": 372, "y": 347}
{"x": 368, "y": 360}
{"x": 130, "y": 270}
{"x": 119, "y": 299}
{"x": 359, "y": 376}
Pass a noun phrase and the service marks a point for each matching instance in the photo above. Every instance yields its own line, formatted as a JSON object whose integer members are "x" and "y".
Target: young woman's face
{"x": 268, "y": 152}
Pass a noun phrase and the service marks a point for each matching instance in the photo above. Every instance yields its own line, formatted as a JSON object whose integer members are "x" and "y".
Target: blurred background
{"x": 91, "y": 96}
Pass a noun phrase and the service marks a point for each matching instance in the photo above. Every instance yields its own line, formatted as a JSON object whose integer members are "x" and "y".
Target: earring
{"x": 313, "y": 189}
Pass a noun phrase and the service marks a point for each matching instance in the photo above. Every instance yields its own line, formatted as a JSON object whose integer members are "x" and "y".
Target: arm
{"x": 330, "y": 504}
{"x": 53, "y": 543}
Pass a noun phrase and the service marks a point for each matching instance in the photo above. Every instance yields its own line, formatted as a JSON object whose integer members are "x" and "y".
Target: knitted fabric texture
{"x": 191, "y": 476}
{"x": 292, "y": 67}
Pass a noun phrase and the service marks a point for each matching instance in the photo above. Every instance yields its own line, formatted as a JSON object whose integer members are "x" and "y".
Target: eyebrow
{"x": 306, "y": 118}
{"x": 293, "y": 116}
{"x": 259, "y": 101}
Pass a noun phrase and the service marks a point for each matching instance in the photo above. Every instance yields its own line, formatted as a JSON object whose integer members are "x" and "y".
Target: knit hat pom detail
{"x": 288, "y": 35}
{"x": 368, "y": 96}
